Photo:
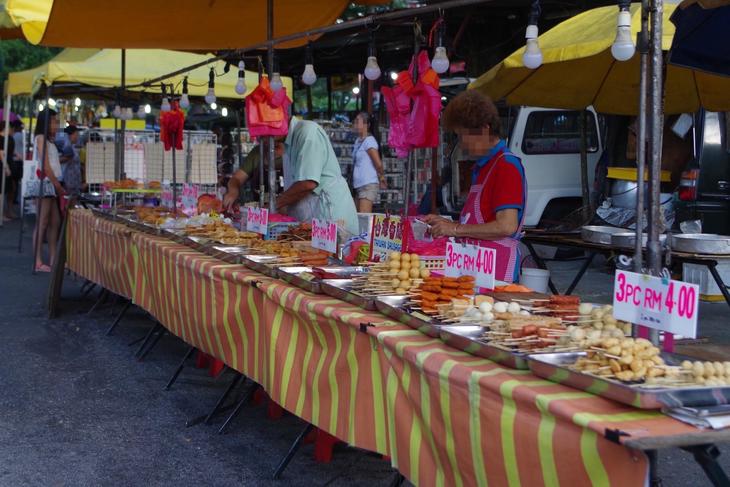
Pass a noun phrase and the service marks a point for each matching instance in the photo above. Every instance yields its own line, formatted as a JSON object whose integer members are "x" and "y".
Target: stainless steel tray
{"x": 599, "y": 234}
{"x": 466, "y": 338}
{"x": 554, "y": 367}
{"x": 291, "y": 275}
{"x": 261, "y": 263}
{"x": 342, "y": 289}
{"x": 701, "y": 243}
{"x": 227, "y": 253}
{"x": 395, "y": 307}
{"x": 627, "y": 239}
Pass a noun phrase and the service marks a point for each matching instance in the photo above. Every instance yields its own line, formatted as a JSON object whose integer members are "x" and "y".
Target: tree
{"x": 17, "y": 55}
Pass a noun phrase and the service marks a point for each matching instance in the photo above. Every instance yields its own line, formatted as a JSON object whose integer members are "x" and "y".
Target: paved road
{"x": 76, "y": 409}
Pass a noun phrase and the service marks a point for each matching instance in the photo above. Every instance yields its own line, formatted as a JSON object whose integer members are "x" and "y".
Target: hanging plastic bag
{"x": 267, "y": 112}
{"x": 172, "y": 124}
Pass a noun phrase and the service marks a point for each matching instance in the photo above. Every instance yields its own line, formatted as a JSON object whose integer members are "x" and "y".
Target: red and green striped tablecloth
{"x": 444, "y": 417}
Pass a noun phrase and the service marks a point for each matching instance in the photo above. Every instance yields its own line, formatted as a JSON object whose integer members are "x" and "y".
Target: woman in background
{"x": 367, "y": 174}
{"x": 49, "y": 188}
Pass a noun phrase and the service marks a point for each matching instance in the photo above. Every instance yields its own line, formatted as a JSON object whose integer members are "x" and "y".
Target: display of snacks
{"x": 301, "y": 232}
{"x": 626, "y": 359}
{"x": 395, "y": 275}
{"x": 153, "y": 215}
{"x": 450, "y": 291}
{"x": 122, "y": 184}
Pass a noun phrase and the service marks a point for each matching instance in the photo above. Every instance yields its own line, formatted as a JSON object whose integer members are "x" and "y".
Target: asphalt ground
{"x": 76, "y": 408}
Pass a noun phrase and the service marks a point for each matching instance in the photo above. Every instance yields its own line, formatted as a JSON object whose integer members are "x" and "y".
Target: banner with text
{"x": 324, "y": 235}
{"x": 471, "y": 260}
{"x": 190, "y": 199}
{"x": 386, "y": 236}
{"x": 662, "y": 304}
{"x": 257, "y": 220}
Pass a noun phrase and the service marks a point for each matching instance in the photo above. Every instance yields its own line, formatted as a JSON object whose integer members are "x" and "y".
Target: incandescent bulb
{"x": 213, "y": 106}
{"x": 372, "y": 70}
{"x": 147, "y": 108}
{"x": 210, "y": 96}
{"x": 393, "y": 75}
{"x": 184, "y": 101}
{"x": 276, "y": 83}
{"x": 440, "y": 61}
{"x": 117, "y": 112}
{"x": 309, "y": 77}
{"x": 77, "y": 101}
{"x": 623, "y": 46}
{"x": 224, "y": 111}
{"x": 532, "y": 57}
{"x": 51, "y": 102}
{"x": 241, "y": 86}
{"x": 141, "y": 111}
{"x": 165, "y": 107}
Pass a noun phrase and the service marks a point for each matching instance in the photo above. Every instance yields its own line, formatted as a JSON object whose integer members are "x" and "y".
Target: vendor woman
{"x": 495, "y": 207}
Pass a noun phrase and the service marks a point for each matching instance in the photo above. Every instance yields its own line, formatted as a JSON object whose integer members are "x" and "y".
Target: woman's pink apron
{"x": 506, "y": 248}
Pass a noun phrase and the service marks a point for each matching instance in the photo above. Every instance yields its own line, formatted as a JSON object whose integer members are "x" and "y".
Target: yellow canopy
{"x": 182, "y": 24}
{"x": 10, "y": 23}
{"x": 102, "y": 68}
{"x": 578, "y": 70}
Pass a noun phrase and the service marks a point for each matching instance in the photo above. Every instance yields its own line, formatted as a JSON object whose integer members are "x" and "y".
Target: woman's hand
{"x": 59, "y": 189}
{"x": 440, "y": 226}
{"x": 383, "y": 184}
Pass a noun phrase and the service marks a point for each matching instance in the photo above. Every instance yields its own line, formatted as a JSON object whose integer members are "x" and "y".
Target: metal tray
{"x": 342, "y": 289}
{"x": 291, "y": 275}
{"x": 627, "y": 239}
{"x": 466, "y": 338}
{"x": 554, "y": 367}
{"x": 395, "y": 307}
{"x": 227, "y": 253}
{"x": 701, "y": 243}
{"x": 599, "y": 234}
{"x": 261, "y": 263}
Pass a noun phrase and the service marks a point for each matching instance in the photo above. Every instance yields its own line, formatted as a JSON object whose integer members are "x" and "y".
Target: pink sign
{"x": 257, "y": 220}
{"x": 657, "y": 303}
{"x": 190, "y": 199}
{"x": 324, "y": 235}
{"x": 471, "y": 260}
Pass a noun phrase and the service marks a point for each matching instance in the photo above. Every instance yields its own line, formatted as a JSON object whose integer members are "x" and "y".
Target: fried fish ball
{"x": 405, "y": 283}
{"x": 403, "y": 274}
{"x": 394, "y": 265}
{"x": 415, "y": 259}
{"x": 425, "y": 273}
{"x": 400, "y": 290}
{"x": 394, "y": 256}
{"x": 414, "y": 273}
{"x": 405, "y": 257}
{"x": 395, "y": 283}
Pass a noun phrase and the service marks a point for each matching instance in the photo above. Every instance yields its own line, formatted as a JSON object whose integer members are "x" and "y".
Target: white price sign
{"x": 662, "y": 304}
{"x": 190, "y": 198}
{"x": 324, "y": 235}
{"x": 257, "y": 220}
{"x": 471, "y": 260}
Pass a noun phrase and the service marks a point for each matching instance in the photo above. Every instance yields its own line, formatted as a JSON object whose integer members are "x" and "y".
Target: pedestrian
{"x": 71, "y": 163}
{"x": 313, "y": 182}
{"x": 48, "y": 188}
{"x": 368, "y": 176}
{"x": 8, "y": 158}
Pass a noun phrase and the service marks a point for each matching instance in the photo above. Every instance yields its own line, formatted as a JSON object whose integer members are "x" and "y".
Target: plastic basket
{"x": 433, "y": 263}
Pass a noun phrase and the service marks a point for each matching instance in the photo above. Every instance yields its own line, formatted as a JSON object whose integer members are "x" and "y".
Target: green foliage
{"x": 18, "y": 55}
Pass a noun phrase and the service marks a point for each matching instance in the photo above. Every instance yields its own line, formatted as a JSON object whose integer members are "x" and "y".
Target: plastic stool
{"x": 323, "y": 446}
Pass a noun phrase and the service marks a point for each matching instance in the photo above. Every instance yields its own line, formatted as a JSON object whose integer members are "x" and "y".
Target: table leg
{"x": 179, "y": 368}
{"x": 292, "y": 451}
{"x": 541, "y": 264}
{"x": 119, "y": 317}
{"x": 654, "y": 479}
{"x": 718, "y": 280}
{"x": 581, "y": 272}
{"x": 706, "y": 457}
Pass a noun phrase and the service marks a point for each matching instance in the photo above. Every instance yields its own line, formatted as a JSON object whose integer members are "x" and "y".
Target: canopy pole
{"x": 583, "y": 122}
{"x": 262, "y": 168}
{"x": 6, "y": 163}
{"x": 654, "y": 251}
{"x": 641, "y": 136}
{"x": 123, "y": 128}
{"x": 410, "y": 166}
{"x": 270, "y": 53}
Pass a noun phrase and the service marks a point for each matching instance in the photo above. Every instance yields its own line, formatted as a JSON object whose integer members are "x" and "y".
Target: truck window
{"x": 557, "y": 132}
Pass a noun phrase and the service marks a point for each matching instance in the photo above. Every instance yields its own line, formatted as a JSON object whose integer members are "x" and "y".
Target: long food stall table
{"x": 444, "y": 417}
{"x": 592, "y": 249}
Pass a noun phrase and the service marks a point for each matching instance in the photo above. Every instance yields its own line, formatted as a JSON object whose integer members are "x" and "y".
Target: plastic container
{"x": 535, "y": 279}
{"x": 700, "y": 275}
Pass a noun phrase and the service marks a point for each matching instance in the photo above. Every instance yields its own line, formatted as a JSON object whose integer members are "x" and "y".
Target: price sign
{"x": 324, "y": 235}
{"x": 471, "y": 260}
{"x": 657, "y": 303}
{"x": 190, "y": 199}
{"x": 166, "y": 195}
{"x": 257, "y": 220}
{"x": 386, "y": 236}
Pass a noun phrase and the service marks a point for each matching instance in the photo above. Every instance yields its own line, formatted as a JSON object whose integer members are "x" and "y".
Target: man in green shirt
{"x": 248, "y": 169}
{"x": 314, "y": 186}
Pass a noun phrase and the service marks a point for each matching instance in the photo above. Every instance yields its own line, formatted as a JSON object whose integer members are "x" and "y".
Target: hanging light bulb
{"x": 532, "y": 57}
{"x": 129, "y": 113}
{"x": 623, "y": 47}
{"x": 184, "y": 100}
{"x": 141, "y": 111}
{"x": 147, "y": 109}
{"x": 276, "y": 83}
{"x": 165, "y": 105}
{"x": 210, "y": 96}
{"x": 440, "y": 61}
{"x": 372, "y": 70}
{"x": 117, "y": 112}
{"x": 77, "y": 101}
{"x": 224, "y": 111}
{"x": 40, "y": 107}
{"x": 309, "y": 77}
{"x": 241, "y": 83}
{"x": 213, "y": 106}
{"x": 51, "y": 102}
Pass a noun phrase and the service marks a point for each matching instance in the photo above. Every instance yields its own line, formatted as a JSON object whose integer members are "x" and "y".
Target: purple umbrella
{"x": 13, "y": 117}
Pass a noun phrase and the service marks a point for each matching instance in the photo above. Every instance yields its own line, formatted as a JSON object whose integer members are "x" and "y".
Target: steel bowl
{"x": 701, "y": 243}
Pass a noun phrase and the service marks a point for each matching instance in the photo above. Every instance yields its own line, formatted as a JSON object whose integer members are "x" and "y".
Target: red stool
{"x": 323, "y": 446}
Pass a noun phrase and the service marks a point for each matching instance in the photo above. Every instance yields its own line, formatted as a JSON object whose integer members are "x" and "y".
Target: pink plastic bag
{"x": 267, "y": 112}
{"x": 399, "y": 106}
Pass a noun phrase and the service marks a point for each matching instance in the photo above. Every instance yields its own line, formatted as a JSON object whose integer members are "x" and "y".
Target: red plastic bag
{"x": 413, "y": 243}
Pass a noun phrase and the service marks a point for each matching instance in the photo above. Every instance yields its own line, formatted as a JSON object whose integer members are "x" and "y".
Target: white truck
{"x": 548, "y": 143}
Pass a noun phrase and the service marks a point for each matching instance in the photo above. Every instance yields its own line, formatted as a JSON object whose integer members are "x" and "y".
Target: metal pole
{"x": 122, "y": 172}
{"x": 654, "y": 251}
{"x": 174, "y": 177}
{"x": 583, "y": 122}
{"x": 6, "y": 163}
{"x": 262, "y": 170}
{"x": 270, "y": 53}
{"x": 643, "y": 45}
{"x": 410, "y": 167}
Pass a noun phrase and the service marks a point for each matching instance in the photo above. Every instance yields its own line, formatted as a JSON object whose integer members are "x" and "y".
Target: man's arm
{"x": 295, "y": 193}
{"x": 237, "y": 180}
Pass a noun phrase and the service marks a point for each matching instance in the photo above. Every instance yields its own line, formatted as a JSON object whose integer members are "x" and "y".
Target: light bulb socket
{"x": 624, "y": 19}
{"x": 531, "y": 32}
{"x": 211, "y": 78}
{"x": 185, "y": 85}
{"x": 534, "y": 16}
